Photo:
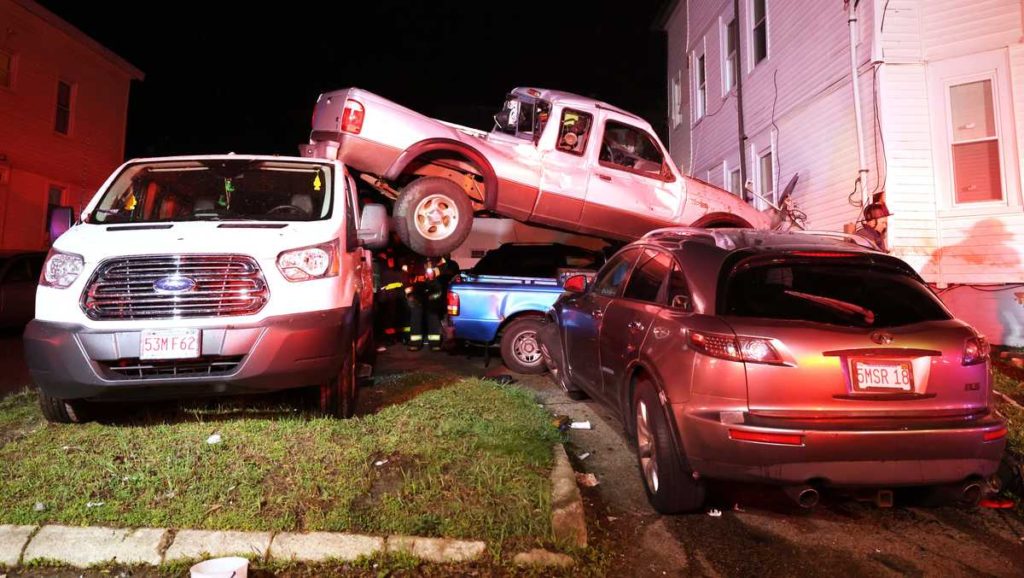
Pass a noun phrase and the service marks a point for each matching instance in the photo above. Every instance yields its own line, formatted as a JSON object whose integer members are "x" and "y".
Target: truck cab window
{"x": 573, "y": 131}
{"x": 629, "y": 148}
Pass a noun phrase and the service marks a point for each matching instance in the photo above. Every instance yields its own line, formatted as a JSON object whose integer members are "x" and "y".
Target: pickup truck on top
{"x": 553, "y": 158}
{"x": 508, "y": 294}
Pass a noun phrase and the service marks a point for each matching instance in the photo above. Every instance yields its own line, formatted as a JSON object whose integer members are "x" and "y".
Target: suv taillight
{"x": 742, "y": 348}
{"x": 453, "y": 304}
{"x": 976, "y": 351}
{"x": 352, "y": 117}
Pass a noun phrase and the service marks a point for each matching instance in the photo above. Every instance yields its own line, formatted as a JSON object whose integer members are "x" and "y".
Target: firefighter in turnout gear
{"x": 391, "y": 309}
{"x": 425, "y": 292}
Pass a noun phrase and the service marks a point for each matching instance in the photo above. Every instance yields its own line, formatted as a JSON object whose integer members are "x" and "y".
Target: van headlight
{"x": 309, "y": 263}
{"x": 61, "y": 269}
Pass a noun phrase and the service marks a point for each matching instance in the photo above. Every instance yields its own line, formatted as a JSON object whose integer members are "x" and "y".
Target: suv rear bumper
{"x": 70, "y": 361}
{"x": 843, "y": 457}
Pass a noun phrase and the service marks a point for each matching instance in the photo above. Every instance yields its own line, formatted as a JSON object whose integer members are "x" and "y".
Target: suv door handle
{"x": 635, "y": 326}
{"x": 604, "y": 177}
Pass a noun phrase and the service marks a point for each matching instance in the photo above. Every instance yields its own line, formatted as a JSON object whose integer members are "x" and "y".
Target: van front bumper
{"x": 70, "y": 361}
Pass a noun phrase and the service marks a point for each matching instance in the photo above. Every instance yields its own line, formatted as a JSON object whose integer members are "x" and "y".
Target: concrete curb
{"x": 568, "y": 524}
{"x": 86, "y": 546}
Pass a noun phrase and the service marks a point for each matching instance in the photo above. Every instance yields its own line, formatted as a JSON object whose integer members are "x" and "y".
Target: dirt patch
{"x": 388, "y": 475}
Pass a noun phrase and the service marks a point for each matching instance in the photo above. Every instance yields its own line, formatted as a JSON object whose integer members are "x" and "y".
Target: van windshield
{"x": 217, "y": 190}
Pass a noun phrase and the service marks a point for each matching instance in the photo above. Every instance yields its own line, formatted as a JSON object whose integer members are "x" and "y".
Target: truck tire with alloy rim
{"x": 433, "y": 216}
{"x": 670, "y": 488}
{"x": 338, "y": 394}
{"x": 520, "y": 346}
{"x": 62, "y": 410}
{"x": 554, "y": 360}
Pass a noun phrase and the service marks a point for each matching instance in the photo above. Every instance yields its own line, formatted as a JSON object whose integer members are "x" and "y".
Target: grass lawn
{"x": 470, "y": 459}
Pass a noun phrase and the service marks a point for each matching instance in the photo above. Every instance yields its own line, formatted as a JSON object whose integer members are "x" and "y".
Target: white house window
{"x": 767, "y": 176}
{"x": 6, "y": 69}
{"x": 735, "y": 185}
{"x": 975, "y": 143}
{"x": 731, "y": 64}
{"x": 701, "y": 82}
{"x": 759, "y": 28}
{"x": 677, "y": 100}
{"x": 62, "y": 123}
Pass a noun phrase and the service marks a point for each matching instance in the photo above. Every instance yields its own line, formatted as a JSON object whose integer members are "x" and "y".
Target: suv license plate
{"x": 169, "y": 344}
{"x": 883, "y": 375}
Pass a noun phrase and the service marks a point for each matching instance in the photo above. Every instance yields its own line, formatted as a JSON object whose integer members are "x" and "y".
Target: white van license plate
{"x": 169, "y": 344}
{"x": 890, "y": 376}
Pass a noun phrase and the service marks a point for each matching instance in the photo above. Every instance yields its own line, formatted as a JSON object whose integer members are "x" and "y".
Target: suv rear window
{"x": 540, "y": 261}
{"x": 850, "y": 294}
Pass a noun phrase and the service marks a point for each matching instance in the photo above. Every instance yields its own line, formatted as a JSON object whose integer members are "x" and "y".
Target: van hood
{"x": 260, "y": 239}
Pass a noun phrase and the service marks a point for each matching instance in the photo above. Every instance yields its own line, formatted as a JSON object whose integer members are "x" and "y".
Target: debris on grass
{"x": 214, "y": 439}
{"x": 91, "y": 505}
{"x": 380, "y": 463}
{"x": 586, "y": 480}
{"x": 581, "y": 425}
{"x": 583, "y": 456}
{"x": 39, "y": 507}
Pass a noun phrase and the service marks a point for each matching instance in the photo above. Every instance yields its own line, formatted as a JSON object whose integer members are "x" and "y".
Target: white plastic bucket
{"x": 221, "y": 568}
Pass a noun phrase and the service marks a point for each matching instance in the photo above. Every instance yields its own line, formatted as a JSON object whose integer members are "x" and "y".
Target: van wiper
{"x": 836, "y": 304}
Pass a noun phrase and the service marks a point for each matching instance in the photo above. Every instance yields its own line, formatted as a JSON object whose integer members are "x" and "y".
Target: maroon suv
{"x": 786, "y": 358}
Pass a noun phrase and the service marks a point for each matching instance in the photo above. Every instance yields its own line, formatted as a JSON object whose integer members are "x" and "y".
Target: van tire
{"x": 62, "y": 410}
{"x": 339, "y": 393}
{"x": 433, "y": 196}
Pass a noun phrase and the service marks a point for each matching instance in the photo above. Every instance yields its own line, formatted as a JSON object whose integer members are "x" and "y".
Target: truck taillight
{"x": 453, "y": 304}
{"x": 352, "y": 117}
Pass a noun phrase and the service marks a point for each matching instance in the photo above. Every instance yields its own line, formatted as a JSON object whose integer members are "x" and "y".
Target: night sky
{"x": 233, "y": 76}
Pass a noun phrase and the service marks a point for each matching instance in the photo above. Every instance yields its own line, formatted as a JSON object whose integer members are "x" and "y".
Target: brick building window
{"x": 62, "y": 123}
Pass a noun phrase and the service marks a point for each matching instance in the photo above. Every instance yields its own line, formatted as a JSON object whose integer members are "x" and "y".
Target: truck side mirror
{"x": 373, "y": 231}
{"x": 576, "y": 284}
{"x": 59, "y": 221}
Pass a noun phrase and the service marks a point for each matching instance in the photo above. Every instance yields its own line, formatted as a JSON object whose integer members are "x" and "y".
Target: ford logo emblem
{"x": 174, "y": 285}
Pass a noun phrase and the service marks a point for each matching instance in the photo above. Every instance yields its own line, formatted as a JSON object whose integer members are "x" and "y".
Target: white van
{"x": 208, "y": 275}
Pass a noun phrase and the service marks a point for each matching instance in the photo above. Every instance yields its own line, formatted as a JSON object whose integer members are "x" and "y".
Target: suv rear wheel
{"x": 671, "y": 489}
{"x": 433, "y": 216}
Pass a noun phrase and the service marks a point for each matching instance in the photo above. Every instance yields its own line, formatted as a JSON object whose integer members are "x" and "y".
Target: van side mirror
{"x": 59, "y": 221}
{"x": 373, "y": 230}
{"x": 576, "y": 284}
{"x": 681, "y": 302}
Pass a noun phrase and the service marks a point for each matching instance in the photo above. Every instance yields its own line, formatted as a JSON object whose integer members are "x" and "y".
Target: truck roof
{"x": 568, "y": 98}
{"x": 228, "y": 156}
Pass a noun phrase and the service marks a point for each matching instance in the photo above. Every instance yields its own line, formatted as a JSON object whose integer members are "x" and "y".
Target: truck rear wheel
{"x": 520, "y": 346}
{"x": 433, "y": 216}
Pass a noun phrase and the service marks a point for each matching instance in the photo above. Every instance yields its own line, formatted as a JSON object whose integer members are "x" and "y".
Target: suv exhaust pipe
{"x": 970, "y": 493}
{"x": 805, "y": 496}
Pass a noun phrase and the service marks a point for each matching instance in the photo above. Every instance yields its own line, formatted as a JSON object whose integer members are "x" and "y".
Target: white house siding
{"x": 678, "y": 135}
{"x": 808, "y": 60}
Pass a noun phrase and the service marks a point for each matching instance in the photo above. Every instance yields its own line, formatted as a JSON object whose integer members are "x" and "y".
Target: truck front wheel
{"x": 433, "y": 216}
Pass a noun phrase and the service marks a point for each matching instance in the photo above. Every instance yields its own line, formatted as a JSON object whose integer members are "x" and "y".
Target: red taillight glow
{"x": 352, "y": 117}
{"x": 995, "y": 434}
{"x": 453, "y": 303}
{"x": 976, "y": 350}
{"x": 766, "y": 438}
{"x": 743, "y": 348}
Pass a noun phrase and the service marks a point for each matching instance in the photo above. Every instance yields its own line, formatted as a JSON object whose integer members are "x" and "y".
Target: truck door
{"x": 565, "y": 171}
{"x": 631, "y": 176}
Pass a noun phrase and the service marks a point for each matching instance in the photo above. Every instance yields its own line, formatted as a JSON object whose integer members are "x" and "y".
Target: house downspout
{"x": 739, "y": 104}
{"x": 862, "y": 171}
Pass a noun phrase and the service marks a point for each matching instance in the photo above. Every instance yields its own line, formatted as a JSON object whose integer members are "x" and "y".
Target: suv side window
{"x": 677, "y": 292}
{"x": 614, "y": 274}
{"x": 648, "y": 281}
{"x": 628, "y": 148}
{"x": 573, "y": 131}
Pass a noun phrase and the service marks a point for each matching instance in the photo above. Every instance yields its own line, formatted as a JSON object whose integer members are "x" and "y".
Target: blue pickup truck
{"x": 506, "y": 295}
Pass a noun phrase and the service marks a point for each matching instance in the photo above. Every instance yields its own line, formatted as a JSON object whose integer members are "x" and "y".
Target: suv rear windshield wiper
{"x": 836, "y": 304}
